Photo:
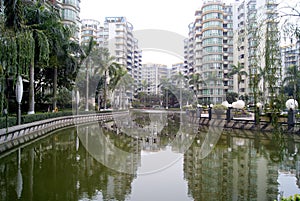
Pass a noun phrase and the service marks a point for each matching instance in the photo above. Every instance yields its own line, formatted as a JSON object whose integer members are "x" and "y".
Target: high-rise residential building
{"x": 122, "y": 43}
{"x": 244, "y": 33}
{"x": 240, "y": 47}
{"x": 257, "y": 46}
{"x": 179, "y": 68}
{"x": 152, "y": 74}
{"x": 91, "y": 29}
{"x": 211, "y": 37}
{"x": 189, "y": 50}
{"x": 69, "y": 11}
{"x": 290, "y": 56}
{"x": 116, "y": 34}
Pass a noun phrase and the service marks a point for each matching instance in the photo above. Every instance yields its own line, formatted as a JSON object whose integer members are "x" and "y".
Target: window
{"x": 69, "y": 14}
{"x": 212, "y": 16}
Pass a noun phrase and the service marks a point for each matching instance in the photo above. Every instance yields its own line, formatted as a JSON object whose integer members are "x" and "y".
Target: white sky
{"x": 169, "y": 15}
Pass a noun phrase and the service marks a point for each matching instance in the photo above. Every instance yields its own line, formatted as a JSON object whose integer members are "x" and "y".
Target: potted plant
{"x": 219, "y": 109}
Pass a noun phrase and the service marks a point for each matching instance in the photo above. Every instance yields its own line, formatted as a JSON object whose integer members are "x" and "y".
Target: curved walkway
{"x": 17, "y": 135}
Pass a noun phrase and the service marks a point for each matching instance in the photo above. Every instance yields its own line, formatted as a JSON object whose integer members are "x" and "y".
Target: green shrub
{"x": 11, "y": 121}
{"x": 219, "y": 107}
{"x": 296, "y": 197}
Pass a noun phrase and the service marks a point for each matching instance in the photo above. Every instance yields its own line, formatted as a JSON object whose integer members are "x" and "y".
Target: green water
{"x": 159, "y": 160}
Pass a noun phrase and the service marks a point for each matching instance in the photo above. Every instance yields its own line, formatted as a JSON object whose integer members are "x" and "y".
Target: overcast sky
{"x": 155, "y": 14}
{"x": 169, "y": 15}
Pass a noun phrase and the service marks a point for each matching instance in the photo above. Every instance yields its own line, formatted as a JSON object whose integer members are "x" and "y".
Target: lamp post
{"x": 19, "y": 95}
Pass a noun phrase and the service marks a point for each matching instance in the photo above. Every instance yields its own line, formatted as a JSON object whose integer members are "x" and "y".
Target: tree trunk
{"x": 31, "y": 89}
{"x": 105, "y": 86}
{"x": 87, "y": 88}
{"x": 55, "y": 89}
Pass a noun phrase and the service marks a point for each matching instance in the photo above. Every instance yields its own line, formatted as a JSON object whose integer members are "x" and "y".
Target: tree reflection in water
{"x": 236, "y": 165}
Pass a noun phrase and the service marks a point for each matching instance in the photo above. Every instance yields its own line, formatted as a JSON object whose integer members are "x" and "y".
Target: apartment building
{"x": 244, "y": 33}
{"x": 116, "y": 34}
{"x": 91, "y": 29}
{"x": 179, "y": 68}
{"x": 211, "y": 38}
{"x": 152, "y": 74}
{"x": 257, "y": 48}
{"x": 69, "y": 11}
{"x": 290, "y": 56}
{"x": 122, "y": 44}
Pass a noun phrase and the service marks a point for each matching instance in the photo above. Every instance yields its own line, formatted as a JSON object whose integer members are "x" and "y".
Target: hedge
{"x": 12, "y": 120}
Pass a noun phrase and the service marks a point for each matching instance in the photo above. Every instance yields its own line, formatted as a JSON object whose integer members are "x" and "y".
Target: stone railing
{"x": 16, "y": 135}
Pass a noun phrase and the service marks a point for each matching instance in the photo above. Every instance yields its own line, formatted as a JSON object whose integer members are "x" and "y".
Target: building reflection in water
{"x": 242, "y": 166}
{"x": 67, "y": 165}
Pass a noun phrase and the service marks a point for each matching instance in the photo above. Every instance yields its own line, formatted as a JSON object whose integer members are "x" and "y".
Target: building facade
{"x": 152, "y": 74}
{"x": 244, "y": 33}
{"x": 179, "y": 68}
{"x": 69, "y": 11}
{"x": 123, "y": 45}
{"x": 290, "y": 56}
{"x": 211, "y": 38}
{"x": 116, "y": 34}
{"x": 91, "y": 29}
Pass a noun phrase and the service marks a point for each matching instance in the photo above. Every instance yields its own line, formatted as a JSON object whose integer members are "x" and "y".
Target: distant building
{"x": 118, "y": 33}
{"x": 290, "y": 56}
{"x": 152, "y": 74}
{"x": 179, "y": 68}
{"x": 91, "y": 29}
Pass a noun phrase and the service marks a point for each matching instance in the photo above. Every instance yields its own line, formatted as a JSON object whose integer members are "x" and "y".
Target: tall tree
{"x": 86, "y": 59}
{"x": 107, "y": 67}
{"x": 196, "y": 80}
{"x": 22, "y": 45}
{"x": 292, "y": 78}
{"x": 239, "y": 71}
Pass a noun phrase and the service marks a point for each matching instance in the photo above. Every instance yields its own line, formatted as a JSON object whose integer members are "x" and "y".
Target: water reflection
{"x": 242, "y": 166}
{"x": 236, "y": 165}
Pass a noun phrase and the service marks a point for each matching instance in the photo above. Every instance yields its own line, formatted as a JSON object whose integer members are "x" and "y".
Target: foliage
{"x": 64, "y": 98}
{"x": 291, "y": 80}
{"x": 219, "y": 107}
{"x": 296, "y": 197}
{"x": 239, "y": 71}
{"x": 231, "y": 97}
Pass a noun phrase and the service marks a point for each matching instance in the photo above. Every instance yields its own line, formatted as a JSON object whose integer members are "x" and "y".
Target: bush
{"x": 11, "y": 121}
{"x": 219, "y": 107}
{"x": 291, "y": 198}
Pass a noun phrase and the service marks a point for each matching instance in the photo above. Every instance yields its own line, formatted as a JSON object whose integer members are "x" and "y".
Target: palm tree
{"x": 86, "y": 58}
{"x": 179, "y": 79}
{"x": 239, "y": 71}
{"x": 197, "y": 81}
{"x": 29, "y": 43}
{"x": 165, "y": 85}
{"x": 119, "y": 74}
{"x": 122, "y": 82}
{"x": 107, "y": 67}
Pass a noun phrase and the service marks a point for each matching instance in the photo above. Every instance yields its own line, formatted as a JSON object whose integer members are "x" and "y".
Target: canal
{"x": 152, "y": 156}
